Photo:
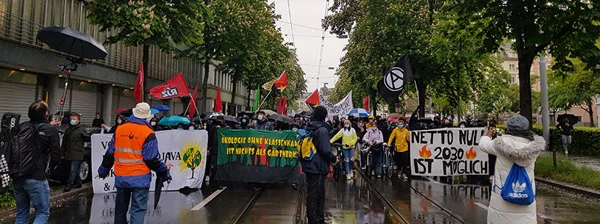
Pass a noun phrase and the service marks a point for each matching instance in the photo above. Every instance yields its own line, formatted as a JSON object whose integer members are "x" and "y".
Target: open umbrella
{"x": 161, "y": 107}
{"x": 230, "y": 118}
{"x": 174, "y": 120}
{"x": 359, "y": 112}
{"x": 283, "y": 119}
{"x": 572, "y": 118}
{"x": 269, "y": 112}
{"x": 118, "y": 111}
{"x": 72, "y": 42}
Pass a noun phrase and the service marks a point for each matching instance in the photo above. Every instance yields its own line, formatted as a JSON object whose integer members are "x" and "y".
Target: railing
{"x": 24, "y": 32}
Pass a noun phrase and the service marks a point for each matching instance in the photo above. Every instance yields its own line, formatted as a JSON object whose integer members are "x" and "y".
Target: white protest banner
{"x": 340, "y": 109}
{"x": 447, "y": 152}
{"x": 185, "y": 149}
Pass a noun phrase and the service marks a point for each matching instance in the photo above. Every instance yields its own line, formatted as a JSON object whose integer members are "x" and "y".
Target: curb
{"x": 53, "y": 199}
{"x": 570, "y": 187}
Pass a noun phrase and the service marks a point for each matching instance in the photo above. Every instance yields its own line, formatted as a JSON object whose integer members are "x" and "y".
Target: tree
{"x": 442, "y": 55}
{"x": 576, "y": 88}
{"x": 563, "y": 28}
{"x": 499, "y": 96}
{"x": 149, "y": 23}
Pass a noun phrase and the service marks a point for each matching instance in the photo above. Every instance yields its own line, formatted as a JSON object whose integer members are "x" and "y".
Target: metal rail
{"x": 381, "y": 197}
{"x": 248, "y": 206}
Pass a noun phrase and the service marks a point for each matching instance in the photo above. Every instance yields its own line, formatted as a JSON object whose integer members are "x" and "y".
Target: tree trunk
{"x": 526, "y": 57}
{"x": 205, "y": 85}
{"x": 422, "y": 97}
{"x": 233, "y": 92}
{"x": 373, "y": 101}
{"x": 145, "y": 59}
{"x": 590, "y": 111}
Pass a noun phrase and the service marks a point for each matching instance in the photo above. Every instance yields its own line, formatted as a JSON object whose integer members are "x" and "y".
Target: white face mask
{"x": 153, "y": 123}
{"x": 295, "y": 129}
{"x": 119, "y": 121}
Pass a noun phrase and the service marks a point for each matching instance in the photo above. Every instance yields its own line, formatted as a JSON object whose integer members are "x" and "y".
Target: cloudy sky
{"x": 305, "y": 32}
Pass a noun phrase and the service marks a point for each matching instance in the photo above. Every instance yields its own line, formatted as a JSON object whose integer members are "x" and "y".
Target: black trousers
{"x": 402, "y": 160}
{"x": 315, "y": 198}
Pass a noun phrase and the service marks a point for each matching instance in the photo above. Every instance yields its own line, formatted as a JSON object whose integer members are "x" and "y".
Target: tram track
{"x": 381, "y": 196}
{"x": 246, "y": 209}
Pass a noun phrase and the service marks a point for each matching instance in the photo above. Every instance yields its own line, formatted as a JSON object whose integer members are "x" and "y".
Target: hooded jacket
{"x": 509, "y": 150}
{"x": 373, "y": 135}
{"x": 320, "y": 162}
{"x": 73, "y": 140}
{"x": 348, "y": 136}
{"x": 401, "y": 137}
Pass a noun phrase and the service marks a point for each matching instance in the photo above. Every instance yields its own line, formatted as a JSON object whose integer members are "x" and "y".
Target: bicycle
{"x": 338, "y": 168}
{"x": 388, "y": 161}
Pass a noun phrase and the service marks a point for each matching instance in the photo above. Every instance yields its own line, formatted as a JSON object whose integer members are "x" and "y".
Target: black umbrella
{"x": 230, "y": 118}
{"x": 160, "y": 180}
{"x": 283, "y": 119}
{"x": 72, "y": 42}
{"x": 572, "y": 119}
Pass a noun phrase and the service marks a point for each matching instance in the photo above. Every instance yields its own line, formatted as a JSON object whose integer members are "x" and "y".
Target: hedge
{"x": 585, "y": 140}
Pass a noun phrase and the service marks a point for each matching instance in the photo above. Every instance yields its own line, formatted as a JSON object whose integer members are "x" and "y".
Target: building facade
{"x": 29, "y": 69}
{"x": 511, "y": 64}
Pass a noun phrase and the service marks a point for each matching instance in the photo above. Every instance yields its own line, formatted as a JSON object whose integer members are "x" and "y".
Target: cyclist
{"x": 401, "y": 136}
{"x": 349, "y": 138}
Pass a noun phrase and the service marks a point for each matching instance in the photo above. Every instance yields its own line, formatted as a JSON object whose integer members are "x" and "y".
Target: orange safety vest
{"x": 129, "y": 140}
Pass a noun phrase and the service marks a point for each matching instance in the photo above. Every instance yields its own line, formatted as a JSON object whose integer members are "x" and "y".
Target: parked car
{"x": 61, "y": 172}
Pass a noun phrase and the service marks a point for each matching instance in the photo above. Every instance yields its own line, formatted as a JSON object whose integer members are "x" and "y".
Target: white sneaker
{"x": 349, "y": 177}
{"x": 566, "y": 153}
{"x": 399, "y": 176}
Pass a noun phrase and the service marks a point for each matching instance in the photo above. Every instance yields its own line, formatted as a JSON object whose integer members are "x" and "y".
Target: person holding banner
{"x": 349, "y": 139}
{"x": 401, "y": 137}
{"x": 519, "y": 146}
{"x": 374, "y": 138}
{"x": 134, "y": 152}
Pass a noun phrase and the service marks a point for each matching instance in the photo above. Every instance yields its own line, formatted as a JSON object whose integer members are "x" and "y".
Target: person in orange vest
{"x": 133, "y": 151}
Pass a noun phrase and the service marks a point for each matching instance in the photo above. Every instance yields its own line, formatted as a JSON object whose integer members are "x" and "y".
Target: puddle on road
{"x": 556, "y": 206}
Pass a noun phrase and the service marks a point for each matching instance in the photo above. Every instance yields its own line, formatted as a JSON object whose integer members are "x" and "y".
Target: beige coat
{"x": 511, "y": 149}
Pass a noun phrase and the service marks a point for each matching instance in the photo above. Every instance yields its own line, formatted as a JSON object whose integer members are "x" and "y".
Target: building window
{"x": 512, "y": 79}
{"x": 511, "y": 67}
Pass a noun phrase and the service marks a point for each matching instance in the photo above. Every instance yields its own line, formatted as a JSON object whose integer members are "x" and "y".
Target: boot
{"x": 68, "y": 188}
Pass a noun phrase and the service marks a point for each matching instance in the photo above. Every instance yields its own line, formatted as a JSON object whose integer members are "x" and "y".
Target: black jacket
{"x": 324, "y": 157}
{"x": 48, "y": 147}
{"x": 73, "y": 140}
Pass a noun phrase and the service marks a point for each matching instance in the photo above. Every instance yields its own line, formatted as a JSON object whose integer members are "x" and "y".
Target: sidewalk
{"x": 56, "y": 194}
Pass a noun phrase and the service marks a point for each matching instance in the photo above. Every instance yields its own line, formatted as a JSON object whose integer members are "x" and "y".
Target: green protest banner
{"x": 248, "y": 155}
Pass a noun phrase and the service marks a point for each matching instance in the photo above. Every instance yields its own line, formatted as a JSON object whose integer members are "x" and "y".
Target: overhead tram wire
{"x": 322, "y": 43}
{"x": 299, "y": 25}
{"x": 291, "y": 25}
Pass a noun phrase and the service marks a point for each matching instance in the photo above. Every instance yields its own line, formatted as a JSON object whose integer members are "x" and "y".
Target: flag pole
{"x": 263, "y": 101}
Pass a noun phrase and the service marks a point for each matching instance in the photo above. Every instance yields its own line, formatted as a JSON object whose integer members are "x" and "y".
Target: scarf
{"x": 521, "y": 133}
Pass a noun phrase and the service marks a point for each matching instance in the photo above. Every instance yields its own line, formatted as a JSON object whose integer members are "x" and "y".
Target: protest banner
{"x": 257, "y": 156}
{"x": 185, "y": 149}
{"x": 339, "y": 109}
{"x": 447, "y": 152}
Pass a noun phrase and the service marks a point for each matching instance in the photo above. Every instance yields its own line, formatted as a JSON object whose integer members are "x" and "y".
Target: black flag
{"x": 395, "y": 79}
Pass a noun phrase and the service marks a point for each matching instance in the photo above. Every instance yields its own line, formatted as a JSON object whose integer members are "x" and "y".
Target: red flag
{"x": 193, "y": 104}
{"x": 218, "y": 102}
{"x": 138, "y": 90}
{"x": 278, "y": 106}
{"x": 284, "y": 106}
{"x": 366, "y": 103}
{"x": 174, "y": 88}
{"x": 281, "y": 82}
{"x": 313, "y": 99}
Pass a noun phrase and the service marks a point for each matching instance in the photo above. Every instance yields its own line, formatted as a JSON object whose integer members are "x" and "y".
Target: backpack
{"x": 306, "y": 148}
{"x": 517, "y": 188}
{"x": 20, "y": 146}
{"x": 9, "y": 127}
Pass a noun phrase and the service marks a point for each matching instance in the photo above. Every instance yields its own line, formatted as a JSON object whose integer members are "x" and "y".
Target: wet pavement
{"x": 346, "y": 202}
{"x": 586, "y": 161}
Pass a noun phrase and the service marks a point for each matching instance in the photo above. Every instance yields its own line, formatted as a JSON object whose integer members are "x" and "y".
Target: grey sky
{"x": 307, "y": 15}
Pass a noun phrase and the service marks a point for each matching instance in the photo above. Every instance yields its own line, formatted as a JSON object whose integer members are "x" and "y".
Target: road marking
{"x": 481, "y": 205}
{"x": 208, "y": 199}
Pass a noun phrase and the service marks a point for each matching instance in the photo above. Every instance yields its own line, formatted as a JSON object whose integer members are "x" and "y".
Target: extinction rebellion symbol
{"x": 394, "y": 79}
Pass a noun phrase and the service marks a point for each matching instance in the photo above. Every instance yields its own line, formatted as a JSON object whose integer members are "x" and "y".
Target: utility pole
{"x": 545, "y": 109}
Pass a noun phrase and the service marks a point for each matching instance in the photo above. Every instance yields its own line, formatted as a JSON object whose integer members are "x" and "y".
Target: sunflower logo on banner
{"x": 192, "y": 156}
